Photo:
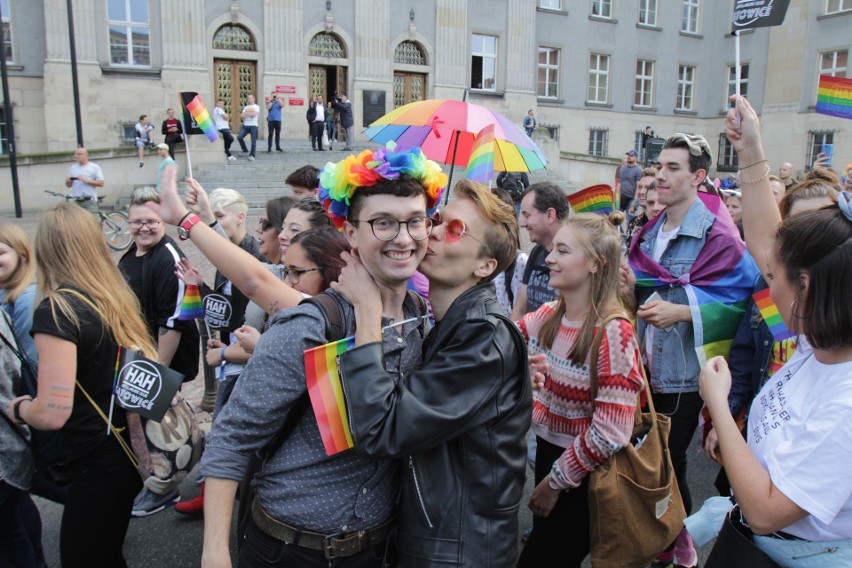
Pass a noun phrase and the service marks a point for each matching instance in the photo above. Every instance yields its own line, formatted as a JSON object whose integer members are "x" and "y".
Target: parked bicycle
{"x": 114, "y": 224}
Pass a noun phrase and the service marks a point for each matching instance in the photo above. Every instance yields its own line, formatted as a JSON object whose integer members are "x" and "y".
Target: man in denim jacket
{"x": 665, "y": 323}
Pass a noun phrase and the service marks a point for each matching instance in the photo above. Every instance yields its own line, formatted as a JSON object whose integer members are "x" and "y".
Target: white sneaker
{"x": 251, "y": 158}
{"x": 232, "y": 157}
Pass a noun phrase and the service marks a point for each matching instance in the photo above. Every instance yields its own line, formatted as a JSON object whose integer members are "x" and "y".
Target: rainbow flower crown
{"x": 339, "y": 181}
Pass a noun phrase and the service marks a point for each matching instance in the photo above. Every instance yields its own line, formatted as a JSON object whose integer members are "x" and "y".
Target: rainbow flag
{"x": 594, "y": 199}
{"x": 834, "y": 96}
{"x": 480, "y": 167}
{"x": 190, "y": 307}
{"x": 772, "y": 316}
{"x": 326, "y": 393}
{"x": 202, "y": 119}
{"x": 717, "y": 286}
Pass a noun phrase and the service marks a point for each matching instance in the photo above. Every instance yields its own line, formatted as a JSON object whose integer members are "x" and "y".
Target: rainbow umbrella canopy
{"x": 447, "y": 132}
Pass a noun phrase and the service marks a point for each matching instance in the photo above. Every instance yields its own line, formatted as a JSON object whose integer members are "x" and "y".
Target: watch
{"x": 186, "y": 224}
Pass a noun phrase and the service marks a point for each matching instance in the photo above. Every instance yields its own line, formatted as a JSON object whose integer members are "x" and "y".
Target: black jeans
{"x": 683, "y": 409}
{"x": 227, "y": 140}
{"x": 274, "y": 128}
{"x": 97, "y": 509}
{"x": 317, "y": 128}
{"x": 562, "y": 538}
{"x": 16, "y": 546}
{"x": 261, "y": 550}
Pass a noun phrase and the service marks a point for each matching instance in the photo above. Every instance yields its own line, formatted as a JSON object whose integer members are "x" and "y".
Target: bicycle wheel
{"x": 116, "y": 230}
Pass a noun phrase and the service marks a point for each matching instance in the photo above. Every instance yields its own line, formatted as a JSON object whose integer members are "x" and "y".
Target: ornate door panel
{"x": 408, "y": 88}
{"x": 233, "y": 81}
{"x": 317, "y": 82}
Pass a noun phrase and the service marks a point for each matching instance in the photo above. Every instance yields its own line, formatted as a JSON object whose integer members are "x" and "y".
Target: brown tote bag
{"x": 635, "y": 507}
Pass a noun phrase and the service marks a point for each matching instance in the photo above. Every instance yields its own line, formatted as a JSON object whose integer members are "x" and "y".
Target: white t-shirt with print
{"x": 800, "y": 429}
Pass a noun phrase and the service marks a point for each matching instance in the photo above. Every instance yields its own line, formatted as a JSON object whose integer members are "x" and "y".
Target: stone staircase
{"x": 263, "y": 179}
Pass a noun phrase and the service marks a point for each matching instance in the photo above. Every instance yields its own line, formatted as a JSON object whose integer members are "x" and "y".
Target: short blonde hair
{"x": 223, "y": 197}
{"x": 143, "y": 195}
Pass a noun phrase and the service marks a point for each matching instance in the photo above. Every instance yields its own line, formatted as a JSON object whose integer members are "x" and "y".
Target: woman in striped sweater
{"x": 573, "y": 440}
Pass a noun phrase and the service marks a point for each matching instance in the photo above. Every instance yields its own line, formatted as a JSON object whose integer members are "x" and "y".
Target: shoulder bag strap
{"x": 16, "y": 348}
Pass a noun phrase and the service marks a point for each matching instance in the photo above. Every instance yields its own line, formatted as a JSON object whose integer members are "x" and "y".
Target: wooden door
{"x": 408, "y": 88}
{"x": 233, "y": 81}
{"x": 317, "y": 84}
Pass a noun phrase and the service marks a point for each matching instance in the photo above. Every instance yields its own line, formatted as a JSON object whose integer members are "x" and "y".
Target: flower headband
{"x": 339, "y": 181}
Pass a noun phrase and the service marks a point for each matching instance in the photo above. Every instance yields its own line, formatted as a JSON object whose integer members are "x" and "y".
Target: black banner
{"x": 145, "y": 387}
{"x": 750, "y": 14}
{"x": 189, "y": 125}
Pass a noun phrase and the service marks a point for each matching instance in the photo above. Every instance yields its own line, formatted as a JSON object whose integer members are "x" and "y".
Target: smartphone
{"x": 656, "y": 297}
{"x": 828, "y": 152}
{"x": 73, "y": 178}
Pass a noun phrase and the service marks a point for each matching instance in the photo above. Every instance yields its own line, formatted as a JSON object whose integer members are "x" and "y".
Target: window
{"x": 233, "y": 37}
{"x": 643, "y": 93}
{"x": 648, "y": 12}
{"x": 816, "y": 139}
{"x": 602, "y": 8}
{"x": 835, "y": 6}
{"x": 483, "y": 63}
{"x": 637, "y": 145}
{"x": 732, "y": 82}
{"x": 7, "y": 33}
{"x": 550, "y": 4}
{"x": 410, "y": 53}
{"x": 685, "y": 87}
{"x": 129, "y": 32}
{"x": 833, "y": 63}
{"x": 326, "y": 45}
{"x": 597, "y": 141}
{"x": 598, "y": 91}
{"x": 548, "y": 72}
{"x": 689, "y": 22}
{"x": 727, "y": 158}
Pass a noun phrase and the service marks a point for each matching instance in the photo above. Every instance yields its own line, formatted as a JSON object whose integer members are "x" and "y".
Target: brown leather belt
{"x": 332, "y": 545}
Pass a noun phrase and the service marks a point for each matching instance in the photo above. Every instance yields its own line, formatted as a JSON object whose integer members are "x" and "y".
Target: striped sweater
{"x": 562, "y": 409}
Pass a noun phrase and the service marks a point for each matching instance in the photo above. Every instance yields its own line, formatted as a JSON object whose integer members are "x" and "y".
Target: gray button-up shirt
{"x": 300, "y": 485}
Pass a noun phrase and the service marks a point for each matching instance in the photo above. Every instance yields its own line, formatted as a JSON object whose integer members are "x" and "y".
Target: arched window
{"x": 233, "y": 37}
{"x": 409, "y": 52}
{"x": 326, "y": 45}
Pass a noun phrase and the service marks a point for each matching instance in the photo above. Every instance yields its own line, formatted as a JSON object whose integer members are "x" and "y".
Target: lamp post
{"x": 10, "y": 131}
{"x": 74, "y": 88}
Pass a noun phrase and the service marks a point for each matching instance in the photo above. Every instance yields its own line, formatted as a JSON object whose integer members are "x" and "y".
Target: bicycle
{"x": 115, "y": 225}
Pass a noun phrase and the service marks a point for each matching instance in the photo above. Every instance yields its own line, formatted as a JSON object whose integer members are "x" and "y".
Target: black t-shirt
{"x": 96, "y": 355}
{"x": 537, "y": 279}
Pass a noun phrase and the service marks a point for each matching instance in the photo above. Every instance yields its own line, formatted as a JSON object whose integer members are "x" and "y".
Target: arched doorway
{"x": 410, "y": 72}
{"x": 235, "y": 76}
{"x": 327, "y": 79}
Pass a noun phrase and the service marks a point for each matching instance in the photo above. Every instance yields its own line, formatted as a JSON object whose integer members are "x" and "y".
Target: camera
{"x": 336, "y": 97}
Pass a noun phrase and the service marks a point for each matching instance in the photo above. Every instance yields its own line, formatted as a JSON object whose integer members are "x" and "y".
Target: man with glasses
{"x": 149, "y": 268}
{"x": 459, "y": 420}
{"x": 310, "y": 507}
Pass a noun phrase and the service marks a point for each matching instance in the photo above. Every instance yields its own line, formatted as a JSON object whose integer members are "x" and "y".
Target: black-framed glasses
{"x": 150, "y": 223}
{"x": 387, "y": 228}
{"x": 454, "y": 229}
{"x": 264, "y": 223}
{"x": 294, "y": 274}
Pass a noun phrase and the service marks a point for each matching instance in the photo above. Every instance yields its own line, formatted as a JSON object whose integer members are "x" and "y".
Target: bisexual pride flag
{"x": 718, "y": 285}
{"x": 594, "y": 199}
{"x": 771, "y": 315}
{"x": 326, "y": 394}
{"x": 201, "y": 121}
{"x": 834, "y": 96}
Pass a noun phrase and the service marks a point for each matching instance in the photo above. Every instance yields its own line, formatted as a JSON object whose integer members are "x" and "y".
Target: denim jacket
{"x": 749, "y": 356}
{"x": 674, "y": 363}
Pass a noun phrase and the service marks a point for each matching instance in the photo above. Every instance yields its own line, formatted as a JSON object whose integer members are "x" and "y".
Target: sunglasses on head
{"x": 264, "y": 224}
{"x": 454, "y": 229}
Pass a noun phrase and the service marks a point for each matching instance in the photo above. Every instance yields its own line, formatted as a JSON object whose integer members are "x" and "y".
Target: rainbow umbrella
{"x": 447, "y": 131}
{"x": 490, "y": 154}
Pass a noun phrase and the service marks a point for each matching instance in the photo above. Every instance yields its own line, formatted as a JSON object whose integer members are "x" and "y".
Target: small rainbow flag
{"x": 771, "y": 316}
{"x": 203, "y": 120}
{"x": 190, "y": 307}
{"x": 326, "y": 393}
{"x": 594, "y": 199}
{"x": 834, "y": 96}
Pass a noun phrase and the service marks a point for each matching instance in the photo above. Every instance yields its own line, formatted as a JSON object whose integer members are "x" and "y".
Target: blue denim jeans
{"x": 251, "y": 130}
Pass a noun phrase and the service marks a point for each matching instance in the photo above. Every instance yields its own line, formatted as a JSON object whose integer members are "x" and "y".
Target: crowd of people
{"x": 449, "y": 398}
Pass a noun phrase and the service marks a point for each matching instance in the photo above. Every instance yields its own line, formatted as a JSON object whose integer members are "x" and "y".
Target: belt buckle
{"x": 329, "y": 541}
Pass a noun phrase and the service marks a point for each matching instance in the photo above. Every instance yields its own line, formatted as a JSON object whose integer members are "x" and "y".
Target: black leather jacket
{"x": 459, "y": 422}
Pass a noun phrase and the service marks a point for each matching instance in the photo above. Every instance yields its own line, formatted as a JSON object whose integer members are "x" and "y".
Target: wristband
{"x": 222, "y": 355}
{"x": 16, "y": 409}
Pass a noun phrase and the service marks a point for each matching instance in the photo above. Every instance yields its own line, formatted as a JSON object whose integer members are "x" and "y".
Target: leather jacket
{"x": 459, "y": 423}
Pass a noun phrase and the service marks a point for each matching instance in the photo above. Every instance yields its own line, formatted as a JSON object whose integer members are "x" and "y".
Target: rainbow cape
{"x": 326, "y": 394}
{"x": 203, "y": 120}
{"x": 718, "y": 285}
{"x": 190, "y": 307}
{"x": 594, "y": 199}
{"x": 834, "y": 96}
{"x": 771, "y": 315}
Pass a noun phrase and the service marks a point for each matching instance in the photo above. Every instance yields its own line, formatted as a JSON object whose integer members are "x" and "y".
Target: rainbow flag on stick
{"x": 326, "y": 393}
{"x": 190, "y": 307}
{"x": 594, "y": 199}
{"x": 201, "y": 121}
{"x": 772, "y": 316}
{"x": 834, "y": 96}
{"x": 481, "y": 165}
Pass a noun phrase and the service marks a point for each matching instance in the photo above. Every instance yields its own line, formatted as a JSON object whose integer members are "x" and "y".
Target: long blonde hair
{"x": 71, "y": 251}
{"x": 24, "y": 275}
{"x": 601, "y": 243}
